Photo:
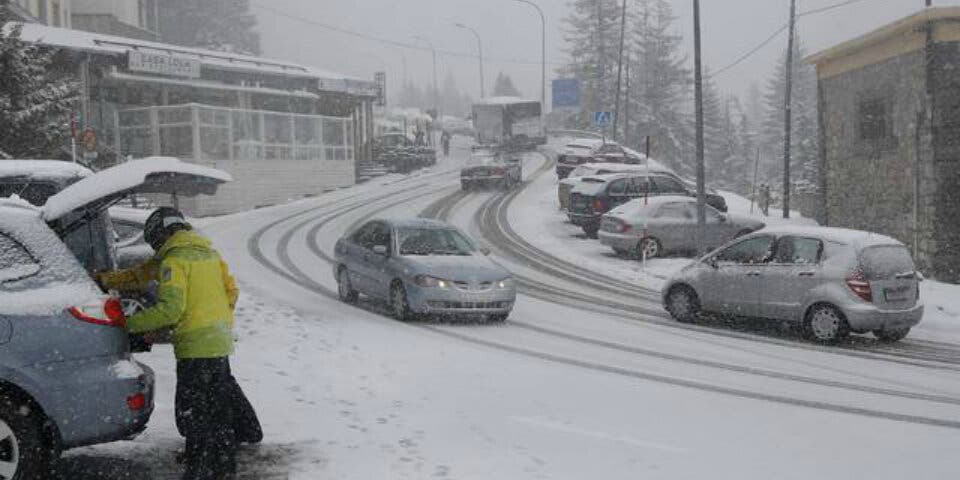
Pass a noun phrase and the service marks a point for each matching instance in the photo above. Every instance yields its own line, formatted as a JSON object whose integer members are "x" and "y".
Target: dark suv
{"x": 596, "y": 195}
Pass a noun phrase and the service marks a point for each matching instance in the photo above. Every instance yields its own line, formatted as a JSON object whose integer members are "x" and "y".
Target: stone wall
{"x": 869, "y": 183}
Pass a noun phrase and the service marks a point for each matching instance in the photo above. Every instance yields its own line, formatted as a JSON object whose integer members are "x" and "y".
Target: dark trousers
{"x": 204, "y": 415}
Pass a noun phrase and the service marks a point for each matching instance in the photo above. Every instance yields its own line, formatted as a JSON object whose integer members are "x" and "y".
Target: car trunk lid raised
{"x": 150, "y": 175}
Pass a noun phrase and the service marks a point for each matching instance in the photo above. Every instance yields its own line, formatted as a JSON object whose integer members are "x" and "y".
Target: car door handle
{"x": 753, "y": 274}
{"x": 807, "y": 274}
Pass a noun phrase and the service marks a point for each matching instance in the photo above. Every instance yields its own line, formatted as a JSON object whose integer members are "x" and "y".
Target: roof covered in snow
{"x": 50, "y": 170}
{"x": 117, "y": 46}
{"x": 840, "y": 235}
{"x": 505, "y": 101}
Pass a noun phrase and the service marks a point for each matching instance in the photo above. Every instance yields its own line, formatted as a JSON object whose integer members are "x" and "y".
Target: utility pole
{"x": 698, "y": 99}
{"x": 626, "y": 105}
{"x": 543, "y": 56}
{"x": 602, "y": 67}
{"x": 788, "y": 113}
{"x": 616, "y": 102}
{"x": 479, "y": 52}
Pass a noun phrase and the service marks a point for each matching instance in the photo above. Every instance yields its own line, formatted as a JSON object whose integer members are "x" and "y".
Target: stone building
{"x": 890, "y": 135}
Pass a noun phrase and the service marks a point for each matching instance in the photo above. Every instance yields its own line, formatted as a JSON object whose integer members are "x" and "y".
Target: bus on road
{"x": 510, "y": 123}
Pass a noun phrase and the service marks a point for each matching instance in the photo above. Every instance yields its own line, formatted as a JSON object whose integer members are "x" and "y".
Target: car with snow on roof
{"x": 830, "y": 281}
{"x": 422, "y": 267}
{"x": 491, "y": 167}
{"x": 651, "y": 227}
{"x": 66, "y": 375}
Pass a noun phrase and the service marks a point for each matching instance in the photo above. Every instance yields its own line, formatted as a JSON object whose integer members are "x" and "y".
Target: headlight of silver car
{"x": 508, "y": 282}
{"x": 431, "y": 282}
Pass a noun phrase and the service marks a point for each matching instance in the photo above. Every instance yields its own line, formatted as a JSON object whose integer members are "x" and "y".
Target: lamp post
{"x": 479, "y": 55}
{"x": 543, "y": 53}
{"x": 433, "y": 49}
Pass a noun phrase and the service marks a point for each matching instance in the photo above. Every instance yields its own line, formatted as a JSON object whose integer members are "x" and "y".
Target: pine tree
{"x": 35, "y": 104}
{"x": 592, "y": 37}
{"x": 223, "y": 25}
{"x": 660, "y": 99}
{"x": 503, "y": 87}
{"x": 804, "y": 143}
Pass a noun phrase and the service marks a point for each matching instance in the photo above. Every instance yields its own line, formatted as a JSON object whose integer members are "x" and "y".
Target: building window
{"x": 873, "y": 117}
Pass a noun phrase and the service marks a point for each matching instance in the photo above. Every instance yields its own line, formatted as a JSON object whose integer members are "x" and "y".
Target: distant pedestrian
{"x": 445, "y": 141}
{"x": 765, "y": 199}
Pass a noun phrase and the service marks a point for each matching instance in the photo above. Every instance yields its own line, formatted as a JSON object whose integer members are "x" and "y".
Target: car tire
{"x": 651, "y": 246}
{"x": 683, "y": 304}
{"x": 590, "y": 230}
{"x": 345, "y": 288}
{"x": 891, "y": 336}
{"x": 825, "y": 323}
{"x": 399, "y": 306}
{"x": 22, "y": 447}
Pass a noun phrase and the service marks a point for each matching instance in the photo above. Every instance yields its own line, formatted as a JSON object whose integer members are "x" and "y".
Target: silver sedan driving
{"x": 422, "y": 267}
{"x": 657, "y": 225}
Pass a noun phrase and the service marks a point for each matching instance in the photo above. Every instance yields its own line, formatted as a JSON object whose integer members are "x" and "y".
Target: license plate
{"x": 901, "y": 294}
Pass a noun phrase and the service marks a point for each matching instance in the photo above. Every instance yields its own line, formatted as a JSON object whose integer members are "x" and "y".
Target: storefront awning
{"x": 195, "y": 83}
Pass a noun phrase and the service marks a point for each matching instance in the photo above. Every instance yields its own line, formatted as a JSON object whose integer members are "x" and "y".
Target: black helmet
{"x": 161, "y": 224}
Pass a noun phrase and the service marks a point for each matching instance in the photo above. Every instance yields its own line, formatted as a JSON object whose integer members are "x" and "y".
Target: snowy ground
{"x": 559, "y": 392}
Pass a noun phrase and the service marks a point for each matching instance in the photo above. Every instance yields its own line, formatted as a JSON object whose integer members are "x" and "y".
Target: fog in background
{"x": 511, "y": 30}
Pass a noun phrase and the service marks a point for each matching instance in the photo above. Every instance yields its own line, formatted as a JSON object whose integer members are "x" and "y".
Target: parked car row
{"x": 66, "y": 375}
{"x": 399, "y": 153}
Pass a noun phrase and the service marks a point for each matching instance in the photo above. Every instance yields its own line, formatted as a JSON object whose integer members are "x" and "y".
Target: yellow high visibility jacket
{"x": 195, "y": 296}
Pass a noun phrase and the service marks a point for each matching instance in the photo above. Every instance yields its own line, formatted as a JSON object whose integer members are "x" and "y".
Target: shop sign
{"x": 163, "y": 64}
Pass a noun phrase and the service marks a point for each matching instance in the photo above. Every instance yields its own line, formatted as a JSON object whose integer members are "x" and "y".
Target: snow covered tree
{"x": 592, "y": 36}
{"x": 804, "y": 142}
{"x": 35, "y": 102}
{"x": 503, "y": 87}
{"x": 661, "y": 94}
{"x": 223, "y": 25}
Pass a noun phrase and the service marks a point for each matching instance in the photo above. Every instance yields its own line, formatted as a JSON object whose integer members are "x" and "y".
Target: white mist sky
{"x": 511, "y": 30}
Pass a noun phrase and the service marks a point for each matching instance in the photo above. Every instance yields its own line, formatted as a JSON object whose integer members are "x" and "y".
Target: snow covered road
{"x": 585, "y": 380}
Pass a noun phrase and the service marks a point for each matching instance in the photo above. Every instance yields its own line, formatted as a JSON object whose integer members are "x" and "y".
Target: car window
{"x": 668, "y": 185}
{"x": 380, "y": 235}
{"x": 364, "y": 235}
{"x": 434, "y": 241}
{"x": 618, "y": 187}
{"x": 126, "y": 231}
{"x": 751, "y": 251}
{"x": 712, "y": 214}
{"x": 36, "y": 193}
{"x": 639, "y": 185}
{"x": 886, "y": 261}
{"x": 798, "y": 250}
{"x": 675, "y": 210}
{"x": 92, "y": 243}
{"x": 15, "y": 261}
{"x": 610, "y": 149}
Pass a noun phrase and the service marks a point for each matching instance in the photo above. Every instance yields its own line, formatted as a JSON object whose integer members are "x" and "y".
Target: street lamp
{"x": 433, "y": 49}
{"x": 543, "y": 53}
{"x": 479, "y": 55}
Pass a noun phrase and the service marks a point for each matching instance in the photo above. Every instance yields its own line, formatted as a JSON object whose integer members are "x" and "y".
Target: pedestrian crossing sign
{"x": 602, "y": 119}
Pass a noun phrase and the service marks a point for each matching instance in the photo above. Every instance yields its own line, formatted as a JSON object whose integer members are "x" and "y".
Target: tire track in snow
{"x": 304, "y": 281}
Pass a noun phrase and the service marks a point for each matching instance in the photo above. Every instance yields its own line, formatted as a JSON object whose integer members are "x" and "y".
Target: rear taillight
{"x": 137, "y": 402}
{"x": 859, "y": 285}
{"x": 618, "y": 226}
{"x": 106, "y": 311}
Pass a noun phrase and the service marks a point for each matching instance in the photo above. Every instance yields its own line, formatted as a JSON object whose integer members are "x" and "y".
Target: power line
{"x": 389, "y": 41}
{"x": 780, "y": 30}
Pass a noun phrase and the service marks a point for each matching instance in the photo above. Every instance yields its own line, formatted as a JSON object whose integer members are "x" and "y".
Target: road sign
{"x": 566, "y": 93}
{"x": 602, "y": 119}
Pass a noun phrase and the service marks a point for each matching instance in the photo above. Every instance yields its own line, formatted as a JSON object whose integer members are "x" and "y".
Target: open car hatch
{"x": 97, "y": 192}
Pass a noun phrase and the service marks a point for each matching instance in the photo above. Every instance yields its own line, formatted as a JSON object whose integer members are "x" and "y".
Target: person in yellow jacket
{"x": 196, "y": 296}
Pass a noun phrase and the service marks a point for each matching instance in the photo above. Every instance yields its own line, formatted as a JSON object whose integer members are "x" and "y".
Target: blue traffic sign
{"x": 602, "y": 119}
{"x": 566, "y": 92}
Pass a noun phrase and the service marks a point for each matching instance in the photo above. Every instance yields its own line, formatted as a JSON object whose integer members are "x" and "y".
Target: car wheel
{"x": 892, "y": 335}
{"x": 683, "y": 304}
{"x": 23, "y": 454}
{"x": 650, "y": 247}
{"x": 399, "y": 306}
{"x": 825, "y": 324}
{"x": 344, "y": 288}
{"x": 590, "y": 230}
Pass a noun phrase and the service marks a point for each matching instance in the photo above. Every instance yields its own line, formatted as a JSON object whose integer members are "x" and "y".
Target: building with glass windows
{"x": 284, "y": 131}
